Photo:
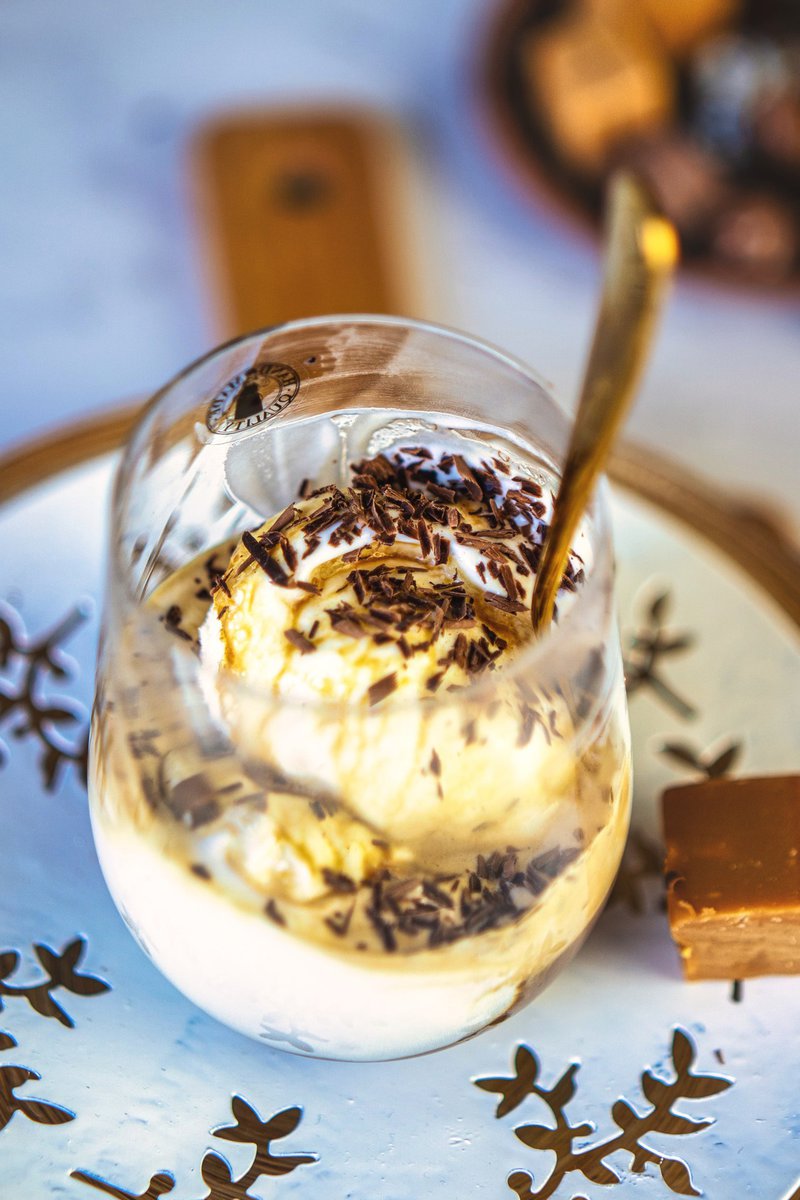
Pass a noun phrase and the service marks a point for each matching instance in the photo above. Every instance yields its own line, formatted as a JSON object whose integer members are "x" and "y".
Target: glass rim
{"x": 537, "y": 650}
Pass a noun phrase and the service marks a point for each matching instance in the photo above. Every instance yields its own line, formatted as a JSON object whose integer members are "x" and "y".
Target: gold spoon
{"x": 642, "y": 249}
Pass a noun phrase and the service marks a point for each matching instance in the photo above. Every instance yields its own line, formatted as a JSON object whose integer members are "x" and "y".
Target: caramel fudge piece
{"x": 733, "y": 876}
{"x": 683, "y": 23}
{"x": 594, "y": 81}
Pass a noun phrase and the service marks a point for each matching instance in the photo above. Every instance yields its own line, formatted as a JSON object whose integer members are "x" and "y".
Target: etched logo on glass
{"x": 253, "y": 397}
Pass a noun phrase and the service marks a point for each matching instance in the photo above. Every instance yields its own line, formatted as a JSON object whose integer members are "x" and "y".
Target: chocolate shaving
{"x": 221, "y": 584}
{"x": 283, "y": 519}
{"x": 497, "y": 516}
{"x": 508, "y": 581}
{"x": 526, "y": 726}
{"x": 399, "y": 500}
{"x": 441, "y": 549}
{"x": 434, "y": 893}
{"x": 527, "y": 484}
{"x": 299, "y": 641}
{"x": 460, "y": 652}
{"x": 338, "y": 881}
{"x": 387, "y": 616}
{"x": 424, "y": 538}
{"x": 289, "y": 553}
{"x": 382, "y": 688}
{"x": 273, "y": 912}
{"x": 383, "y": 928}
{"x": 478, "y": 656}
{"x": 173, "y": 616}
{"x": 261, "y": 556}
{"x": 532, "y": 554}
{"x": 507, "y": 605}
{"x": 438, "y": 622}
{"x": 358, "y": 585}
{"x": 474, "y": 489}
{"x": 172, "y": 619}
{"x": 379, "y": 469}
{"x": 344, "y": 623}
{"x": 339, "y": 923}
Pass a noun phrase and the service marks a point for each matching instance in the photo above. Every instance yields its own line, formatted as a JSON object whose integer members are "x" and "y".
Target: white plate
{"x": 142, "y": 1082}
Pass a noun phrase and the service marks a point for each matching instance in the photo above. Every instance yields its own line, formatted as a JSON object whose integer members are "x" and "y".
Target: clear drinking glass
{"x": 332, "y": 876}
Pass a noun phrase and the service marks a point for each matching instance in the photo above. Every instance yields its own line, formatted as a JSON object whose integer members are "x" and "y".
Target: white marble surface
{"x": 100, "y": 292}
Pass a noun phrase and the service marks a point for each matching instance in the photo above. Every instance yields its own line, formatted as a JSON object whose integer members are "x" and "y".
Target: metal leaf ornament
{"x": 562, "y": 1138}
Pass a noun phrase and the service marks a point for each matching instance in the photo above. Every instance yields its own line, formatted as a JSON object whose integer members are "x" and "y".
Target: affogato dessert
{"x": 411, "y": 865}
{"x": 341, "y": 795}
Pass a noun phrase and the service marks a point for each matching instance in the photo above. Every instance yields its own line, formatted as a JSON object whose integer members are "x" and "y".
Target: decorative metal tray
{"x": 621, "y": 1079}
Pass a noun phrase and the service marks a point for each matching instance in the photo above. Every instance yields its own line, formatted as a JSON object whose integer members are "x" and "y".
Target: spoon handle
{"x": 641, "y": 251}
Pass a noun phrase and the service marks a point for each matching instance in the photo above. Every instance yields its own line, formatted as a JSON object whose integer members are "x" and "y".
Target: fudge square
{"x": 733, "y": 876}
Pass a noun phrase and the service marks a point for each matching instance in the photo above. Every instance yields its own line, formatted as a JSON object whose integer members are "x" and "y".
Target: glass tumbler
{"x": 326, "y": 860}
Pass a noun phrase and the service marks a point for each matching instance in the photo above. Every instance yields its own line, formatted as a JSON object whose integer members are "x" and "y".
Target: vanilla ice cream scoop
{"x": 352, "y": 620}
{"x": 416, "y": 578}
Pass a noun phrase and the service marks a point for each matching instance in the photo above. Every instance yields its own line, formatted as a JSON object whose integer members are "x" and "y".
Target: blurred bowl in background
{"x": 700, "y": 97}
